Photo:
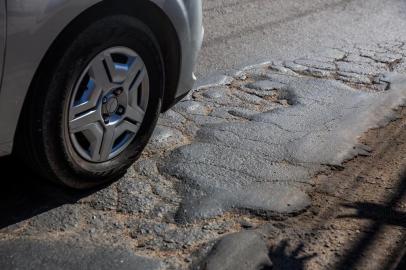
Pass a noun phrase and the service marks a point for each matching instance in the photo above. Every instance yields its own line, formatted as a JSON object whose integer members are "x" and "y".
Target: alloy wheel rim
{"x": 108, "y": 104}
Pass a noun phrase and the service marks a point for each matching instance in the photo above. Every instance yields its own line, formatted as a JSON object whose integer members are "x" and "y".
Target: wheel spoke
{"x": 126, "y": 126}
{"x": 94, "y": 135}
{"x": 135, "y": 75}
{"x": 82, "y": 122}
{"x": 143, "y": 103}
{"x": 135, "y": 88}
{"x": 117, "y": 75}
{"x": 86, "y": 106}
{"x": 80, "y": 109}
{"x": 135, "y": 114}
{"x": 107, "y": 144}
{"x": 99, "y": 74}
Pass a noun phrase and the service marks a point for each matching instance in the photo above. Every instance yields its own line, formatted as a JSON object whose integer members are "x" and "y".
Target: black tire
{"x": 42, "y": 139}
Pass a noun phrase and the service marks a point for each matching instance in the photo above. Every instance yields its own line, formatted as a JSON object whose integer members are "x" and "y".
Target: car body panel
{"x": 2, "y": 35}
{"x": 186, "y": 16}
{"x": 33, "y": 25}
{"x": 5, "y": 146}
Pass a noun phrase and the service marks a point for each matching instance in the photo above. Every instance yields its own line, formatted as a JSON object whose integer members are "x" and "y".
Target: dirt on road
{"x": 360, "y": 221}
{"x": 279, "y": 165}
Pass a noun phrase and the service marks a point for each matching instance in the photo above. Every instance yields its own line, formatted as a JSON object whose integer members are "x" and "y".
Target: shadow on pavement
{"x": 381, "y": 215}
{"x": 24, "y": 194}
{"x": 376, "y": 212}
{"x": 282, "y": 259}
{"x": 402, "y": 262}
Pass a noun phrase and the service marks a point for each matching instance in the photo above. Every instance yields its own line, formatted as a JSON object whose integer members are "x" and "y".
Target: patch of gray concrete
{"x": 246, "y": 250}
{"x": 165, "y": 137}
{"x": 213, "y": 80}
{"x": 264, "y": 161}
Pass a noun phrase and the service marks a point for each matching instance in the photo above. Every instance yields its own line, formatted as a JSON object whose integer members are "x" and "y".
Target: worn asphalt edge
{"x": 397, "y": 83}
{"x": 220, "y": 78}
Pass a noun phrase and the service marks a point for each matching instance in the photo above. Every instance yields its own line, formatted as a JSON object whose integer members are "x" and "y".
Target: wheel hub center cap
{"x": 111, "y": 106}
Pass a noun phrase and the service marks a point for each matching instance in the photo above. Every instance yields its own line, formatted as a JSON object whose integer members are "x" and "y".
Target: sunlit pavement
{"x": 301, "y": 157}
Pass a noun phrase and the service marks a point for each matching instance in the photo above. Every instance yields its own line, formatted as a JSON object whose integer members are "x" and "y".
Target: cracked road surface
{"x": 260, "y": 156}
{"x": 247, "y": 31}
{"x": 297, "y": 163}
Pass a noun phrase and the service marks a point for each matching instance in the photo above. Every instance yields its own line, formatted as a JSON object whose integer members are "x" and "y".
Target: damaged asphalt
{"x": 303, "y": 120}
{"x": 251, "y": 146}
{"x": 235, "y": 166}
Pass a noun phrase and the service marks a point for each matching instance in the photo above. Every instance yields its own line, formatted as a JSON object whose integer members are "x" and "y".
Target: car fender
{"x": 32, "y": 26}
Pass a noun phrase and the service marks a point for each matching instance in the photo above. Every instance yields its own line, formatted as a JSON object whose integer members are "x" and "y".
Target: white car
{"x": 84, "y": 81}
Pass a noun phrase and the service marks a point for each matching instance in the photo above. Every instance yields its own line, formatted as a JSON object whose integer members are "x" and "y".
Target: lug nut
{"x": 118, "y": 92}
{"x": 120, "y": 110}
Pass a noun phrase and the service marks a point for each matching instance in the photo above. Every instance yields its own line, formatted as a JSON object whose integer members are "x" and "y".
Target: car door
{"x": 2, "y": 35}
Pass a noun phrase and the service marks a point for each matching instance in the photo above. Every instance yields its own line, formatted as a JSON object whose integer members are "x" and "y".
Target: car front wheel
{"x": 89, "y": 117}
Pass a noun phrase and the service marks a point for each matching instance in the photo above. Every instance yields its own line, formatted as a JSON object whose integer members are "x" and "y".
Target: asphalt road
{"x": 277, "y": 166}
{"x": 241, "y": 32}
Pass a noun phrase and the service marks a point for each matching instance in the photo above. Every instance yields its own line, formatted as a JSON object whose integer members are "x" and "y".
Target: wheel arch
{"x": 144, "y": 10}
